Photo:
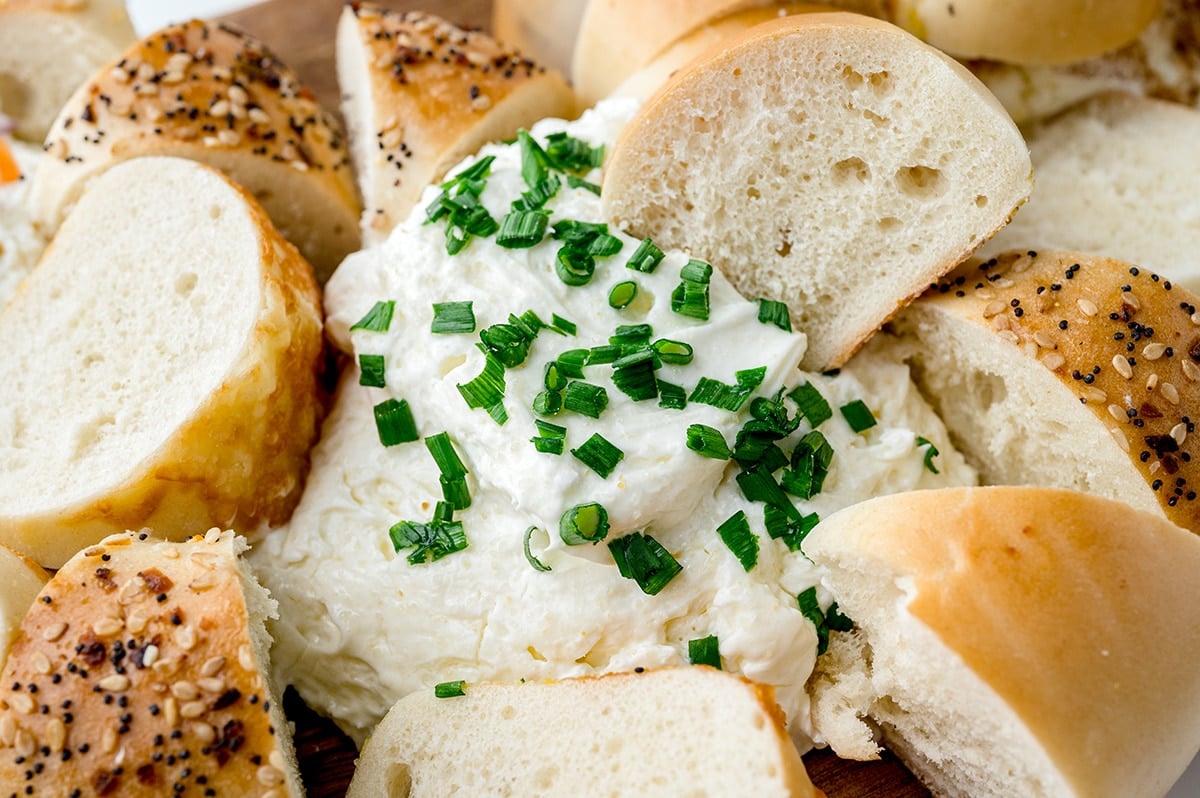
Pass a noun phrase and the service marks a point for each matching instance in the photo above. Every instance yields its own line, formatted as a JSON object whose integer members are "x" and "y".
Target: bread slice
{"x": 1116, "y": 177}
{"x": 420, "y": 94}
{"x": 831, "y": 161}
{"x": 22, "y": 580}
{"x": 211, "y": 93}
{"x": 163, "y": 368}
{"x": 1063, "y": 369}
{"x": 669, "y": 732}
{"x": 1017, "y": 640}
{"x": 48, "y": 48}
{"x": 142, "y": 671}
{"x": 542, "y": 29}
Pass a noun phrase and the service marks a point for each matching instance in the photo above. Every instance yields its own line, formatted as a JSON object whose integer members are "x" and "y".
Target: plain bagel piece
{"x": 1026, "y": 31}
{"x": 830, "y": 161}
{"x": 1019, "y": 640}
{"x": 48, "y": 48}
{"x": 142, "y": 671}
{"x": 211, "y": 93}
{"x": 674, "y": 731}
{"x": 420, "y": 94}
{"x": 21, "y": 579}
{"x": 1068, "y": 370}
{"x": 163, "y": 369}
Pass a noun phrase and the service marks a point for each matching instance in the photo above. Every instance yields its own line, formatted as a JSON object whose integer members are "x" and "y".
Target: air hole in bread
{"x": 986, "y": 390}
{"x": 848, "y": 170}
{"x": 700, "y": 125}
{"x": 753, "y": 193}
{"x": 878, "y": 119}
{"x": 852, "y": 77}
{"x": 888, "y": 223}
{"x": 508, "y": 712}
{"x": 921, "y": 182}
{"x": 399, "y": 781}
{"x": 214, "y": 212}
{"x": 785, "y": 245}
{"x": 546, "y": 776}
{"x": 981, "y": 201}
{"x": 881, "y": 81}
{"x": 186, "y": 283}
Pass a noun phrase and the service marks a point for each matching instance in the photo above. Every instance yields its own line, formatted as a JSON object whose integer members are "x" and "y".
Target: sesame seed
{"x": 1154, "y": 351}
{"x": 171, "y": 711}
{"x": 56, "y": 734}
{"x": 213, "y": 666}
{"x": 192, "y": 709}
{"x": 993, "y": 308}
{"x": 1116, "y": 412}
{"x": 211, "y": 684}
{"x": 1170, "y": 393}
{"x": 1179, "y": 432}
{"x": 1119, "y": 437}
{"x": 1191, "y": 370}
{"x": 185, "y": 636}
{"x": 1054, "y": 361}
{"x": 1043, "y": 339}
{"x": 246, "y": 658}
{"x": 24, "y": 743}
{"x": 1090, "y": 393}
{"x": 41, "y": 663}
{"x": 1122, "y": 366}
{"x": 204, "y": 732}
{"x": 115, "y": 683}
{"x": 1132, "y": 301}
{"x": 268, "y": 776}
{"x": 107, "y": 627}
{"x": 1087, "y": 307}
{"x": 22, "y": 702}
{"x": 185, "y": 690}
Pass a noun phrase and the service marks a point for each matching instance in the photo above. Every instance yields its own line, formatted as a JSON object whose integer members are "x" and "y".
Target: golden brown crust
{"x": 211, "y": 93}
{"x": 1123, "y": 340}
{"x": 134, "y": 672}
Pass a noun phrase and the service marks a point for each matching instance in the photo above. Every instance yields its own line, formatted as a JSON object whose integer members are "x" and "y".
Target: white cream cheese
{"x": 360, "y": 626}
{"x": 20, "y": 243}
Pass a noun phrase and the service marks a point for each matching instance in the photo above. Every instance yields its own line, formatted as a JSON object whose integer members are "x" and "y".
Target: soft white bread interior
{"x": 142, "y": 671}
{"x": 163, "y": 369}
{"x": 420, "y": 94}
{"x": 1016, "y": 640}
{"x": 48, "y": 48}
{"x": 669, "y": 732}
{"x": 211, "y": 93}
{"x": 22, "y": 579}
{"x": 541, "y": 29}
{"x": 1026, "y": 31}
{"x": 1069, "y": 370}
{"x": 1115, "y": 176}
{"x": 831, "y": 161}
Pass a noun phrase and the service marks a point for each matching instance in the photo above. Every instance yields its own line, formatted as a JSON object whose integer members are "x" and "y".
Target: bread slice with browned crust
{"x": 830, "y": 161}
{"x": 420, "y": 94}
{"x": 209, "y": 92}
{"x": 142, "y": 671}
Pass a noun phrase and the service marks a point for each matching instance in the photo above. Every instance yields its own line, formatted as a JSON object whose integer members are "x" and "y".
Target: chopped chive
{"x": 573, "y": 155}
{"x": 565, "y": 326}
{"x": 551, "y": 438}
{"x": 605, "y": 353}
{"x": 670, "y": 396}
{"x": 633, "y": 375}
{"x": 631, "y": 335}
{"x": 553, "y": 376}
{"x": 791, "y": 532}
{"x": 548, "y": 430}
{"x": 487, "y": 390}
{"x": 810, "y": 466}
{"x": 579, "y": 182}
{"x": 836, "y": 620}
{"x": 735, "y": 533}
{"x": 705, "y": 651}
{"x": 728, "y": 397}
{"x": 529, "y": 323}
{"x": 691, "y": 300}
{"x": 450, "y": 689}
{"x": 675, "y": 353}
{"x": 605, "y": 245}
{"x": 858, "y": 415}
{"x": 522, "y": 229}
{"x": 430, "y": 541}
{"x": 622, "y": 294}
{"x": 644, "y": 560}
{"x": 772, "y": 312}
{"x": 824, "y": 621}
{"x": 448, "y": 462}
{"x": 537, "y": 196}
{"x": 534, "y": 162}
{"x": 394, "y": 422}
{"x": 372, "y": 371}
{"x": 583, "y": 523}
{"x": 707, "y": 441}
{"x": 453, "y": 317}
{"x": 930, "y": 453}
{"x": 812, "y": 404}
{"x": 549, "y": 445}
{"x": 548, "y": 403}
{"x": 646, "y": 257}
{"x": 456, "y": 493}
{"x": 585, "y": 398}
{"x": 378, "y": 318}
{"x": 574, "y": 267}
{"x": 533, "y": 561}
{"x": 572, "y": 361}
{"x": 696, "y": 271}
{"x": 578, "y": 234}
{"x": 758, "y": 485}
{"x": 507, "y": 342}
{"x": 599, "y": 455}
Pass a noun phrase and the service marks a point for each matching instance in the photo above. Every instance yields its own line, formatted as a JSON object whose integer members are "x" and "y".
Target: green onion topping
{"x": 453, "y": 317}
{"x": 810, "y": 465}
{"x": 372, "y": 370}
{"x": 579, "y": 182}
{"x": 394, "y": 422}
{"x": 551, "y": 437}
{"x": 676, "y": 353}
{"x": 633, "y": 375}
{"x": 573, "y": 155}
{"x": 378, "y": 318}
{"x": 574, "y": 267}
{"x": 572, "y": 361}
{"x": 705, "y": 651}
{"x": 533, "y": 561}
{"x": 670, "y": 396}
{"x": 453, "y": 472}
{"x": 429, "y": 541}
{"x": 646, "y": 257}
{"x": 509, "y": 343}
{"x": 622, "y": 294}
{"x": 643, "y": 559}
{"x": 858, "y": 415}
{"x": 728, "y": 397}
{"x": 548, "y": 403}
{"x": 791, "y": 532}
{"x": 707, "y": 441}
{"x": 735, "y": 533}
{"x": 585, "y": 398}
{"x": 772, "y": 312}
{"x": 824, "y": 621}
{"x": 450, "y": 689}
{"x": 811, "y": 404}
{"x": 583, "y": 523}
{"x": 487, "y": 390}
{"x": 930, "y": 453}
{"x": 599, "y": 455}
{"x": 563, "y": 325}
{"x": 522, "y": 229}
{"x": 459, "y": 205}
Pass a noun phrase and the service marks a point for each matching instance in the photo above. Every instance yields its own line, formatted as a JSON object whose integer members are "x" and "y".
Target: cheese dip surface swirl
{"x": 601, "y": 457}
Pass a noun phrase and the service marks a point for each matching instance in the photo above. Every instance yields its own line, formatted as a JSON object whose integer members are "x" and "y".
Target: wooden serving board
{"x": 301, "y": 32}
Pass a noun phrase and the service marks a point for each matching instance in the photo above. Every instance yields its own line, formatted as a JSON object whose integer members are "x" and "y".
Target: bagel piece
{"x": 1026, "y": 31}
{"x": 542, "y": 29}
{"x": 1069, "y": 370}
{"x": 1014, "y": 640}
{"x": 420, "y": 94}
{"x": 1116, "y": 177}
{"x": 675, "y": 731}
{"x": 209, "y": 92}
{"x": 22, "y": 580}
{"x": 48, "y": 48}
{"x": 163, "y": 369}
{"x": 142, "y": 671}
{"x": 830, "y": 161}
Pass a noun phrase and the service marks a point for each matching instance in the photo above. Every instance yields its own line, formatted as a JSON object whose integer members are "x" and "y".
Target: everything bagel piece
{"x": 675, "y": 731}
{"x": 211, "y": 93}
{"x": 162, "y": 368}
{"x": 1013, "y": 641}
{"x": 141, "y": 671}
{"x": 831, "y": 161}
{"x": 542, "y": 29}
{"x": 21, "y": 579}
{"x": 420, "y": 94}
{"x": 1064, "y": 369}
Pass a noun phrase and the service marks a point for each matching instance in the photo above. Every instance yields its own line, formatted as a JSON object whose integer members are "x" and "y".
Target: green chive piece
{"x": 735, "y": 533}
{"x": 534, "y": 162}
{"x": 810, "y": 466}
{"x": 378, "y": 318}
{"x": 549, "y": 445}
{"x": 812, "y": 404}
{"x": 605, "y": 245}
{"x": 548, "y": 403}
{"x": 456, "y": 493}
{"x": 646, "y": 257}
{"x": 599, "y": 455}
{"x": 836, "y": 620}
{"x": 791, "y": 532}
{"x": 551, "y": 437}
{"x": 574, "y": 267}
{"x": 707, "y": 441}
{"x": 507, "y": 342}
{"x": 633, "y": 375}
{"x": 585, "y": 398}
{"x": 453, "y": 317}
{"x": 394, "y": 422}
{"x": 565, "y": 326}
{"x": 583, "y": 523}
{"x": 622, "y": 294}
{"x": 447, "y": 459}
{"x": 372, "y": 370}
{"x": 631, "y": 335}
{"x": 450, "y": 689}
{"x": 670, "y": 396}
{"x": 459, "y": 205}
{"x": 553, "y": 376}
{"x": 930, "y": 453}
{"x": 691, "y": 300}
{"x": 522, "y": 229}
{"x": 758, "y": 485}
{"x": 644, "y": 560}
{"x": 705, "y": 651}
{"x": 430, "y": 541}
{"x": 676, "y": 353}
{"x": 605, "y": 353}
{"x": 533, "y": 561}
{"x": 572, "y": 361}
{"x": 537, "y": 196}
{"x": 487, "y": 390}
{"x": 772, "y": 312}
{"x": 824, "y": 621}
{"x": 573, "y": 155}
{"x": 858, "y": 415}
{"x": 728, "y": 397}
{"x": 579, "y": 182}
{"x": 696, "y": 271}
